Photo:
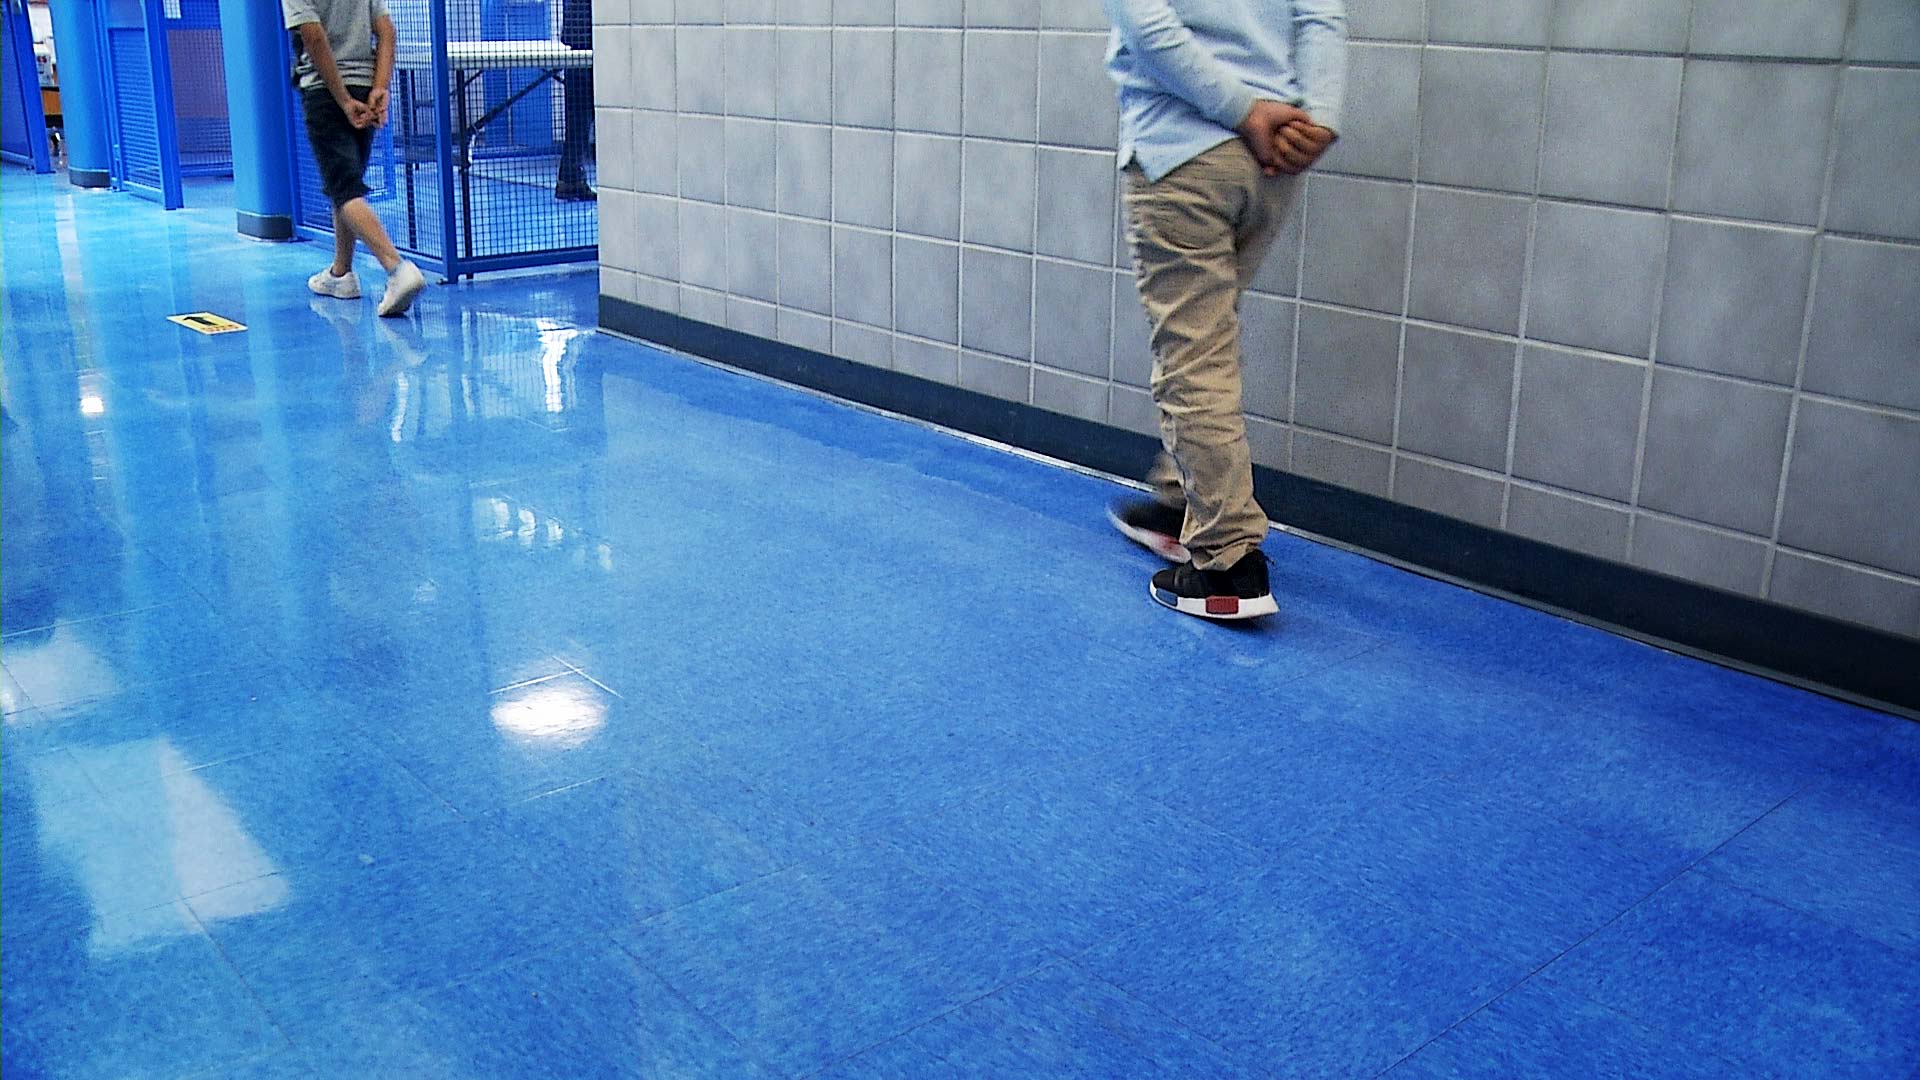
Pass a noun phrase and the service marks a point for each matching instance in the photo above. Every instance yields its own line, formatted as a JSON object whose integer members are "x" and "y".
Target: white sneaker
{"x": 403, "y": 285}
{"x": 345, "y": 287}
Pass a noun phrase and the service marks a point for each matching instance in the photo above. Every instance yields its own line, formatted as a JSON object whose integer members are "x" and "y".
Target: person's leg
{"x": 1186, "y": 237}
{"x": 576, "y": 31}
{"x": 341, "y": 152}
{"x": 364, "y": 224}
{"x": 333, "y": 140}
{"x": 342, "y": 245}
{"x": 579, "y": 128}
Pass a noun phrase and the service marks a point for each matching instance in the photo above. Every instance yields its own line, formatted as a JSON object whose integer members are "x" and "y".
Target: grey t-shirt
{"x": 349, "y": 26}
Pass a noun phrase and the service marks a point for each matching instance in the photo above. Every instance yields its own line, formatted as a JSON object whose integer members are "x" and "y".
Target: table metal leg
{"x": 408, "y": 136}
{"x": 466, "y": 165}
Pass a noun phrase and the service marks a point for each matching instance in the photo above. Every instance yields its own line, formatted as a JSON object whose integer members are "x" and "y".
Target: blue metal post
{"x": 83, "y": 91}
{"x": 253, "y": 44}
{"x": 445, "y": 151}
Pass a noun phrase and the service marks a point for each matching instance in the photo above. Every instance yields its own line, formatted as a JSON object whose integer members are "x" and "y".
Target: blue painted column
{"x": 83, "y": 91}
{"x": 254, "y": 45}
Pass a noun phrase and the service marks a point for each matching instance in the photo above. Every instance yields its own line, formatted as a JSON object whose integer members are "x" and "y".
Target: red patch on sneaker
{"x": 1223, "y": 605}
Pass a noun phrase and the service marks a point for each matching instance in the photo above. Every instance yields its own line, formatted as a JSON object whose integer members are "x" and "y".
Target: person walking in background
{"x": 1223, "y": 105}
{"x": 346, "y": 61}
{"x": 576, "y": 32}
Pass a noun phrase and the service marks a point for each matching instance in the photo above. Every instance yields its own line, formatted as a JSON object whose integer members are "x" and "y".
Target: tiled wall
{"x": 1637, "y": 277}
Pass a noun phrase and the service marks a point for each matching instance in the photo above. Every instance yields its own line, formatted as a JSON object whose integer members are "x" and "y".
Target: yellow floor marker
{"x": 206, "y": 322}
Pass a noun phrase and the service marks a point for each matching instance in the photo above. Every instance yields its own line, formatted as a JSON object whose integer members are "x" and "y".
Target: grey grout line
{"x": 1806, "y": 326}
{"x": 1659, "y": 301}
{"x": 1526, "y": 291}
{"x": 1406, "y": 279}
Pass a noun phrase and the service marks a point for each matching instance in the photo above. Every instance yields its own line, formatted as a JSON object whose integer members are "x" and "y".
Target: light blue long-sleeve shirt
{"x": 1189, "y": 71}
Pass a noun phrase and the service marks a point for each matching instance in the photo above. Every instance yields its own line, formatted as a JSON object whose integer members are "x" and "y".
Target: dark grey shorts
{"x": 339, "y": 149}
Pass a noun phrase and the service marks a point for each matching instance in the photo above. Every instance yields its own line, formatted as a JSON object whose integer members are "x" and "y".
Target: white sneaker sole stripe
{"x": 1255, "y": 608}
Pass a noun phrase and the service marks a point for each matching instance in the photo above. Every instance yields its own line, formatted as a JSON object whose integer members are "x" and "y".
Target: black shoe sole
{"x": 1218, "y": 608}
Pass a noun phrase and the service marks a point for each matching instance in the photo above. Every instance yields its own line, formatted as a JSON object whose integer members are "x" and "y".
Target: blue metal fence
{"x": 487, "y": 160}
{"x": 23, "y": 125}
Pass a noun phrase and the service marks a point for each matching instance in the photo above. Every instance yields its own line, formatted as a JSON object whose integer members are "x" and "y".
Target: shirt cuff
{"x": 1233, "y": 112}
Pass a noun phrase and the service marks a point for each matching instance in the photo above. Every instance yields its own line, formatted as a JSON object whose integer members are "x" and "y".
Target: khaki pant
{"x": 1198, "y": 238}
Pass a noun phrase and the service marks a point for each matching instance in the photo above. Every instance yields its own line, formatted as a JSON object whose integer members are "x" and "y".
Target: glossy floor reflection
{"x": 480, "y": 696}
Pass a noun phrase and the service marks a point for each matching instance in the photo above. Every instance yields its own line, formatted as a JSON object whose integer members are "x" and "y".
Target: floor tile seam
{"x": 1537, "y": 971}
{"x": 1823, "y": 785}
{"x": 59, "y": 624}
{"x": 752, "y": 1048}
{"x": 849, "y": 917}
{"x": 137, "y": 684}
{"x": 585, "y": 674}
{"x": 1911, "y": 952}
{"x": 777, "y": 863}
{"x": 1430, "y": 923}
{"x": 1547, "y": 980}
{"x": 863, "y": 832}
{"x": 1825, "y": 761}
{"x": 566, "y": 669}
{"x": 677, "y": 908}
{"x": 460, "y": 816}
{"x": 290, "y": 1052}
{"x": 1539, "y": 808}
{"x": 84, "y": 908}
{"x": 233, "y": 969}
{"x": 1260, "y": 860}
{"x": 26, "y": 704}
{"x": 1177, "y": 1021}
{"x": 327, "y": 859}
{"x": 1229, "y": 881}
{"x": 300, "y": 1041}
{"x": 1264, "y": 857}
{"x": 111, "y": 797}
{"x": 1462, "y": 780}
{"x": 380, "y": 749}
{"x": 1543, "y": 970}
{"x": 1053, "y": 961}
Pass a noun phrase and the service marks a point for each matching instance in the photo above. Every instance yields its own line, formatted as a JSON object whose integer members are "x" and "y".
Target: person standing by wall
{"x": 346, "y": 61}
{"x": 1223, "y": 105}
{"x": 576, "y": 32}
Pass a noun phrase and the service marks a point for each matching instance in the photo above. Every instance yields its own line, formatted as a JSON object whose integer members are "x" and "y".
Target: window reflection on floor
{"x": 169, "y": 835}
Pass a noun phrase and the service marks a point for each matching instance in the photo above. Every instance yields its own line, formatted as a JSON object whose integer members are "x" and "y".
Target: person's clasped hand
{"x": 1283, "y": 137}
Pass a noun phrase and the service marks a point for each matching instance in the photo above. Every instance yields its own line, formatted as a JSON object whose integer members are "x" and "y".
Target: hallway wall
{"x": 1638, "y": 279}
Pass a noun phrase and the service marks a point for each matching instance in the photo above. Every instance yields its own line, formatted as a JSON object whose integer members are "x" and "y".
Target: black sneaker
{"x": 1239, "y": 592}
{"x": 1153, "y": 525}
{"x": 575, "y": 191}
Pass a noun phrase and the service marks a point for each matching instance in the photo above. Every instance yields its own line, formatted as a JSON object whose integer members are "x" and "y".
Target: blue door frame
{"x": 144, "y": 148}
{"x": 29, "y": 140}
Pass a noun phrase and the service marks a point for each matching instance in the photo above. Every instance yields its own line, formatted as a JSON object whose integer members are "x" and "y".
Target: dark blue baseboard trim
{"x": 1856, "y": 660}
{"x": 89, "y": 178}
{"x": 264, "y": 226}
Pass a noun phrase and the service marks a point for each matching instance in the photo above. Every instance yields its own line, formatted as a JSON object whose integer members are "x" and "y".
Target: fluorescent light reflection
{"x": 551, "y": 713}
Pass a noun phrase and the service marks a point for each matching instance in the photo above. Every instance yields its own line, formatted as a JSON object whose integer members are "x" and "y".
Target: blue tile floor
{"x": 478, "y": 695}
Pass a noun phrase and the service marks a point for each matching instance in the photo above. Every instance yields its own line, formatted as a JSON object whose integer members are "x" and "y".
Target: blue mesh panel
{"x": 133, "y": 97}
{"x": 528, "y": 122}
{"x": 14, "y": 138}
{"x": 200, "y": 89}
